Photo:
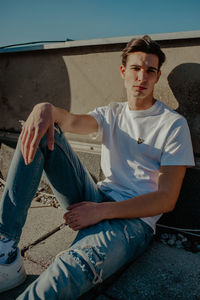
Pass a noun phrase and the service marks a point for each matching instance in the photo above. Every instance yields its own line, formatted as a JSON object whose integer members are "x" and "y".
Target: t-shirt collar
{"x": 154, "y": 109}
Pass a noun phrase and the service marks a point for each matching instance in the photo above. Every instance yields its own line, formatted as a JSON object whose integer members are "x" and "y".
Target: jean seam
{"x": 31, "y": 190}
{"x": 59, "y": 144}
{"x": 84, "y": 172}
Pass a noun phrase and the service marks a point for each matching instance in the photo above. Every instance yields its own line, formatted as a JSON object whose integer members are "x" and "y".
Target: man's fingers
{"x": 24, "y": 140}
{"x": 71, "y": 220}
{"x": 21, "y": 141}
{"x": 33, "y": 146}
{"x": 75, "y": 225}
{"x": 68, "y": 217}
{"x": 76, "y": 205}
{"x": 27, "y": 144}
{"x": 22, "y": 134}
{"x": 30, "y": 139}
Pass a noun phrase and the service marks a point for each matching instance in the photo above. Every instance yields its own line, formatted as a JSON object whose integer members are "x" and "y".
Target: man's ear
{"x": 122, "y": 70}
{"x": 158, "y": 75}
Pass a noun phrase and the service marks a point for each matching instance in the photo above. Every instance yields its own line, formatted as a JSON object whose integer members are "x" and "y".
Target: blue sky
{"x": 52, "y": 20}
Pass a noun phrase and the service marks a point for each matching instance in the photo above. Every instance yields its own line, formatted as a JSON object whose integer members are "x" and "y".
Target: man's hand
{"x": 84, "y": 214}
{"x": 39, "y": 122}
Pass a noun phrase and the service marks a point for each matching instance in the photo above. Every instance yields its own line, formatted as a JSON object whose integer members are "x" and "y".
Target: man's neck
{"x": 140, "y": 104}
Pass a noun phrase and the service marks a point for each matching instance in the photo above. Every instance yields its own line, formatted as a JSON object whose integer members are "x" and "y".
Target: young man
{"x": 146, "y": 147}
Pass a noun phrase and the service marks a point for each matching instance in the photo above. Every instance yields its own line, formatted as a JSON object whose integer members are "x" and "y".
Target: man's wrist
{"x": 108, "y": 210}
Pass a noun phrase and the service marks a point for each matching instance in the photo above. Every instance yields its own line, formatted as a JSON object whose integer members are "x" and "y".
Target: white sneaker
{"x": 12, "y": 275}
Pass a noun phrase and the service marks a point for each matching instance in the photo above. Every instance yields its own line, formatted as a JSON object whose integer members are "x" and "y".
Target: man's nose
{"x": 142, "y": 75}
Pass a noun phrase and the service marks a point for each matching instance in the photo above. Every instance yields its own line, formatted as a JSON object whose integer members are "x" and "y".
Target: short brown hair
{"x": 145, "y": 44}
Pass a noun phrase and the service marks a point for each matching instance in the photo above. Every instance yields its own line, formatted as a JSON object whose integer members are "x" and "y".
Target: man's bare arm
{"x": 42, "y": 119}
{"x": 161, "y": 201}
{"x": 74, "y": 123}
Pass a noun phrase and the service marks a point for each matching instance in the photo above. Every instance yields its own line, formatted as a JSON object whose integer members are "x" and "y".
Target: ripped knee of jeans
{"x": 90, "y": 259}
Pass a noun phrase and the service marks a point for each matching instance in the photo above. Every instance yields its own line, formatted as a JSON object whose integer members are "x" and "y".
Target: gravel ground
{"x": 41, "y": 196}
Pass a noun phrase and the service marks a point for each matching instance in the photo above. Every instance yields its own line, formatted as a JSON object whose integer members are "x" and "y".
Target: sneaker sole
{"x": 10, "y": 280}
{"x": 12, "y": 285}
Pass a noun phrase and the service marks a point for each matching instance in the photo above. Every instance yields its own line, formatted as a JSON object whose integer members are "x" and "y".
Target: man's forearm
{"x": 61, "y": 117}
{"x": 170, "y": 179}
{"x": 161, "y": 201}
{"x": 141, "y": 206}
{"x": 74, "y": 123}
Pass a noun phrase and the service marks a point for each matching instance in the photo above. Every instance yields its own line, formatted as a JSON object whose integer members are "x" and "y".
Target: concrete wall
{"x": 80, "y": 77}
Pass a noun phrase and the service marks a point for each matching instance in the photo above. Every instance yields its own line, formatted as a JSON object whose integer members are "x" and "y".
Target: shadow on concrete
{"x": 187, "y": 210}
{"x": 184, "y": 81}
{"x": 14, "y": 293}
{"x": 28, "y": 79}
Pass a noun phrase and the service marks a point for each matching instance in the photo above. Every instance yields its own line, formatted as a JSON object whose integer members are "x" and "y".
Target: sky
{"x": 23, "y": 21}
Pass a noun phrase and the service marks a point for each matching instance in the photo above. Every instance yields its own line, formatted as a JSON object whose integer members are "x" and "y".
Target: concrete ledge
{"x": 98, "y": 42}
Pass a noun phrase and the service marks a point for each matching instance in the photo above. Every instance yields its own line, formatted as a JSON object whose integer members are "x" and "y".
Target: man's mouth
{"x": 140, "y": 87}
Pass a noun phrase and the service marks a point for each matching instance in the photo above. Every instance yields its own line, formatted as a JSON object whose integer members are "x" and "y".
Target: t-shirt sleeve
{"x": 178, "y": 146}
{"x": 98, "y": 114}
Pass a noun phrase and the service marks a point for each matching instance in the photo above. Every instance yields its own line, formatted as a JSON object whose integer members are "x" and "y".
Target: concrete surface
{"x": 46, "y": 250}
{"x": 41, "y": 221}
{"x": 81, "y": 78}
{"x": 161, "y": 273}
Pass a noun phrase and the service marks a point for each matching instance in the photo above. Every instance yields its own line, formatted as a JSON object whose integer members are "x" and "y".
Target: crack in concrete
{"x": 42, "y": 238}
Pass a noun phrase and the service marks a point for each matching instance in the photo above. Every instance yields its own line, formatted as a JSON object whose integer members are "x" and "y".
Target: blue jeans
{"x": 98, "y": 251}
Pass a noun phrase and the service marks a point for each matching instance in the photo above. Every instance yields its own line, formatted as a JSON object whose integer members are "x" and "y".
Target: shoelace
{"x": 8, "y": 250}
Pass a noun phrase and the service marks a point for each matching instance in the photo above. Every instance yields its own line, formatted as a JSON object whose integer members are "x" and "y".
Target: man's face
{"x": 140, "y": 75}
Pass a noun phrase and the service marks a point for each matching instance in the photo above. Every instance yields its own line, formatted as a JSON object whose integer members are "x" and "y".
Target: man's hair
{"x": 145, "y": 44}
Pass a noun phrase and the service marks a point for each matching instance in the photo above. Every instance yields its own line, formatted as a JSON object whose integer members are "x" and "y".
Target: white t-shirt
{"x": 135, "y": 144}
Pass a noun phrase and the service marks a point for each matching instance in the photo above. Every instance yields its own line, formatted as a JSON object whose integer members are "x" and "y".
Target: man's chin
{"x": 139, "y": 95}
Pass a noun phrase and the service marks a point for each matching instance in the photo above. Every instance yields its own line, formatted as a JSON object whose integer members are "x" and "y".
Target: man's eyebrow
{"x": 135, "y": 66}
{"x": 149, "y": 68}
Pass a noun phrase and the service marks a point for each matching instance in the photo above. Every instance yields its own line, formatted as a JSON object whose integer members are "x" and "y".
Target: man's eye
{"x": 151, "y": 71}
{"x": 135, "y": 68}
